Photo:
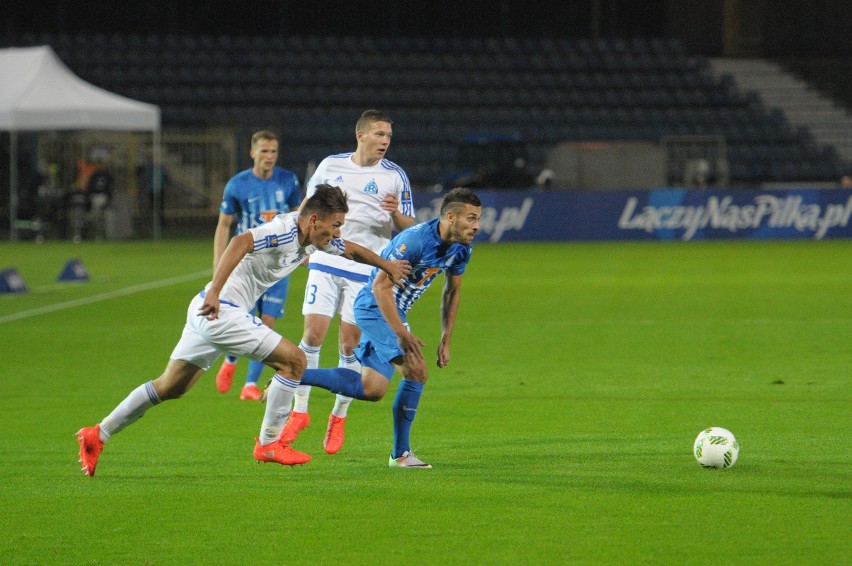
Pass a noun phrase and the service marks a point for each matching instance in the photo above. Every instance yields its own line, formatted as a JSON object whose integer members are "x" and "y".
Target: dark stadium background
{"x": 775, "y": 27}
{"x": 812, "y": 39}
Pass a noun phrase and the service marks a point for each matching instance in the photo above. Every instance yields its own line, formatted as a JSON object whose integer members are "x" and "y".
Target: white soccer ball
{"x": 716, "y": 447}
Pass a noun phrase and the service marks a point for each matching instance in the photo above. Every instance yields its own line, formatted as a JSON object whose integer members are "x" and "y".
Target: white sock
{"x": 130, "y": 410}
{"x": 303, "y": 393}
{"x": 278, "y": 400}
{"x": 341, "y": 402}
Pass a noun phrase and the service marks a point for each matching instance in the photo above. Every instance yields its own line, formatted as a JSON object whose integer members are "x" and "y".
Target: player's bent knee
{"x": 299, "y": 363}
{"x": 371, "y": 395}
{"x": 316, "y": 327}
{"x": 167, "y": 390}
{"x": 415, "y": 372}
{"x": 375, "y": 386}
{"x": 177, "y": 379}
{"x": 418, "y": 377}
{"x": 313, "y": 339}
{"x": 290, "y": 370}
{"x": 288, "y": 360}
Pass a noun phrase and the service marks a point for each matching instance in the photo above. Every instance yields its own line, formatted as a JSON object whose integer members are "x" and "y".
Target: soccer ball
{"x": 716, "y": 447}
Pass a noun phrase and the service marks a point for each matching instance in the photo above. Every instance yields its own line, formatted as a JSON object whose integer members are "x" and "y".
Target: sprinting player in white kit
{"x": 380, "y": 203}
{"x": 218, "y": 321}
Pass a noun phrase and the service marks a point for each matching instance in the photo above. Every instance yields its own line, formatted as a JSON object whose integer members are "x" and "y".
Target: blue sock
{"x": 404, "y": 411}
{"x": 254, "y": 371}
{"x": 337, "y": 380}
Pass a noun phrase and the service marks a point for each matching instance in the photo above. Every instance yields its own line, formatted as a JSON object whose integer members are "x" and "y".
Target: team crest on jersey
{"x": 371, "y": 188}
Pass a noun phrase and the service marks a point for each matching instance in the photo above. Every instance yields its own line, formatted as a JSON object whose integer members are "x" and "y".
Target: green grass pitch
{"x": 561, "y": 432}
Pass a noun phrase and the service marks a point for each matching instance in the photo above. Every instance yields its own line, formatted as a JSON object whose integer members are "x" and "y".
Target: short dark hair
{"x": 457, "y": 197}
{"x": 369, "y": 117}
{"x": 325, "y": 201}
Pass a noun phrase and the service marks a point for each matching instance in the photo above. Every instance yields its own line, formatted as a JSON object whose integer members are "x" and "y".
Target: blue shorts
{"x": 271, "y": 303}
{"x": 379, "y": 345}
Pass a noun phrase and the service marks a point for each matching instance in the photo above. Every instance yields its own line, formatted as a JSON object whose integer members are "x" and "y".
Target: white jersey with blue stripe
{"x": 254, "y": 200}
{"x": 428, "y": 255}
{"x": 276, "y": 254}
{"x": 366, "y": 223}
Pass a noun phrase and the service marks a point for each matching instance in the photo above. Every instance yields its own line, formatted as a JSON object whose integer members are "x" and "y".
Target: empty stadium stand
{"x": 311, "y": 89}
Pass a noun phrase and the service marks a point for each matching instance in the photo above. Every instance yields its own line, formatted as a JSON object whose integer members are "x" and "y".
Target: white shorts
{"x": 329, "y": 294}
{"x": 235, "y": 332}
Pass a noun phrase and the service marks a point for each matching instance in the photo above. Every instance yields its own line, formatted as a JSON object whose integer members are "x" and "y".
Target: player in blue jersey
{"x": 380, "y": 204}
{"x": 255, "y": 196}
{"x": 387, "y": 343}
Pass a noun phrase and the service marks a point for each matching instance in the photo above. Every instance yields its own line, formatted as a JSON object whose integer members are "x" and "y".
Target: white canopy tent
{"x": 38, "y": 92}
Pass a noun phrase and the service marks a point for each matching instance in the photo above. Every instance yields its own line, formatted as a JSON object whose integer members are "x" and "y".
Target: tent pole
{"x": 13, "y": 186}
{"x": 157, "y": 164}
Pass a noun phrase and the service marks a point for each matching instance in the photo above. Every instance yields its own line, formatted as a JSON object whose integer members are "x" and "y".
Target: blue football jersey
{"x": 421, "y": 245}
{"x": 254, "y": 200}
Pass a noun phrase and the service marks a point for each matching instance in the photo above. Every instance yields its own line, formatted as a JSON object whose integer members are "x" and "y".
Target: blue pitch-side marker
{"x": 11, "y": 281}
{"x": 74, "y": 270}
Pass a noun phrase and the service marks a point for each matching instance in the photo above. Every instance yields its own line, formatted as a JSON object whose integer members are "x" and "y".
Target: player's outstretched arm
{"x": 397, "y": 270}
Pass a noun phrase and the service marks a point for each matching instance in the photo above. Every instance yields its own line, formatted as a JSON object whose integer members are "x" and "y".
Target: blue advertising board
{"x": 661, "y": 214}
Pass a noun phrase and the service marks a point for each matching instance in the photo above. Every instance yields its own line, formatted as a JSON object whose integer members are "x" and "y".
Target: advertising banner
{"x": 661, "y": 214}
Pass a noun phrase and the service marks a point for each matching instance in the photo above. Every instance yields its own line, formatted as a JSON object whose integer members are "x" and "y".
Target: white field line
{"x": 105, "y": 296}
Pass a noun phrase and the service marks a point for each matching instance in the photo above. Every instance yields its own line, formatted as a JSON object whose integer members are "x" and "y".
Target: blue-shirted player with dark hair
{"x": 253, "y": 197}
{"x": 387, "y": 343}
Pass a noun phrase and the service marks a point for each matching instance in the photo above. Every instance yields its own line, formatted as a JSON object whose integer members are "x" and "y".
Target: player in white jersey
{"x": 380, "y": 204}
{"x": 218, "y": 321}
